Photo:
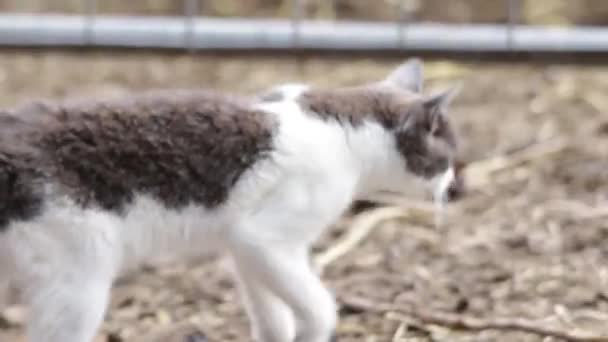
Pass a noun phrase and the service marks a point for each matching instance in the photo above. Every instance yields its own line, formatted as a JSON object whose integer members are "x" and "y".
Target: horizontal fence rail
{"x": 202, "y": 33}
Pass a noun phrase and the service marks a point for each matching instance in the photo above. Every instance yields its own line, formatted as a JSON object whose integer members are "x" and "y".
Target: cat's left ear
{"x": 407, "y": 76}
{"x": 439, "y": 102}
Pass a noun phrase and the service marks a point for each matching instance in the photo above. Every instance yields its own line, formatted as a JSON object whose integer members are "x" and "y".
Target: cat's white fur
{"x": 66, "y": 259}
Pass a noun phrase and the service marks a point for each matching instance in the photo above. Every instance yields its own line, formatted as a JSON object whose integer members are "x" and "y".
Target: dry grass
{"x": 527, "y": 243}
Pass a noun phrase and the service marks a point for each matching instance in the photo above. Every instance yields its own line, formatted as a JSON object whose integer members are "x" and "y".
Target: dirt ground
{"x": 528, "y": 242}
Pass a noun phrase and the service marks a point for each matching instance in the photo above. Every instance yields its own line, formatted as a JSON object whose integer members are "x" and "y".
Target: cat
{"x": 92, "y": 188}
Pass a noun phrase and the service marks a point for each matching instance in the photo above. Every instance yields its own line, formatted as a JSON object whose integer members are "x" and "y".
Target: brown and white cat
{"x": 89, "y": 189}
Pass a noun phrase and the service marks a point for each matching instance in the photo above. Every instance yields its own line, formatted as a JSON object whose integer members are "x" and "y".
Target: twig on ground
{"x": 416, "y": 207}
{"x": 477, "y": 173}
{"x": 361, "y": 226}
{"x": 595, "y": 99}
{"x": 399, "y": 332}
{"x": 456, "y": 321}
{"x": 577, "y": 209}
{"x": 177, "y": 331}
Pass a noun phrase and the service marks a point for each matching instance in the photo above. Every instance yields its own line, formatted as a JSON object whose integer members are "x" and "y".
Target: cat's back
{"x": 177, "y": 147}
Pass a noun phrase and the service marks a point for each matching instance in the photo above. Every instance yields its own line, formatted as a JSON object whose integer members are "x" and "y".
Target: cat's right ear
{"x": 407, "y": 76}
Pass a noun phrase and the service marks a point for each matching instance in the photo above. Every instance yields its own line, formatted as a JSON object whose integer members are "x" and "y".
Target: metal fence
{"x": 193, "y": 32}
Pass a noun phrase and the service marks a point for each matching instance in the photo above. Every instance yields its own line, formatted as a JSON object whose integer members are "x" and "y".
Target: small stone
{"x": 163, "y": 317}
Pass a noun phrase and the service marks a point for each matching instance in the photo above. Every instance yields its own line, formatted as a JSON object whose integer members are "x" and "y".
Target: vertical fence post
{"x": 90, "y": 9}
{"x": 296, "y": 17}
{"x": 513, "y": 10}
{"x": 190, "y": 13}
{"x": 403, "y": 18}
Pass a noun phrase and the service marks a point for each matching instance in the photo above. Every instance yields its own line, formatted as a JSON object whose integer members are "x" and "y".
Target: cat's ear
{"x": 408, "y": 76}
{"x": 439, "y": 102}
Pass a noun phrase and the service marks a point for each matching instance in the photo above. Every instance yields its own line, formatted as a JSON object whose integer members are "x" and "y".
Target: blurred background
{"x": 544, "y": 12}
{"x": 527, "y": 242}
